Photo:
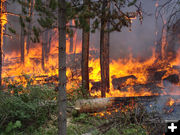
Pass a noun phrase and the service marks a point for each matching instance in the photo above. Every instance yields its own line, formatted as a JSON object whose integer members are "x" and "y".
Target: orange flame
{"x": 170, "y": 102}
{"x": 118, "y": 68}
{"x": 3, "y": 20}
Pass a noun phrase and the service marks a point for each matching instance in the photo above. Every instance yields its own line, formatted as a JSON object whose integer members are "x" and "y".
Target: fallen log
{"x": 157, "y": 76}
{"x": 95, "y": 86}
{"x": 148, "y": 87}
{"x": 99, "y": 104}
{"x": 176, "y": 67}
{"x": 171, "y": 79}
{"x": 51, "y": 78}
{"x": 119, "y": 82}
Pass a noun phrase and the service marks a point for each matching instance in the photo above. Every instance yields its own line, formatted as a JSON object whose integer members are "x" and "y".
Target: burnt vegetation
{"x": 57, "y": 75}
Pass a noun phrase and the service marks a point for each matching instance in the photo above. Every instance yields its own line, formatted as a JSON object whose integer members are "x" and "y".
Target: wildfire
{"x": 3, "y": 20}
{"x": 118, "y": 68}
{"x": 32, "y": 66}
{"x": 170, "y": 102}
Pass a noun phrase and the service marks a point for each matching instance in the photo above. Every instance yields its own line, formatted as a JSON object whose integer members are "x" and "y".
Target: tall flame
{"x": 118, "y": 68}
{"x": 3, "y": 20}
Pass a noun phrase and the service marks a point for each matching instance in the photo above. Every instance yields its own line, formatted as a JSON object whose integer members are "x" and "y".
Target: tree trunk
{"x": 44, "y": 48}
{"x": 29, "y": 26}
{"x": 62, "y": 68}
{"x": 104, "y": 52}
{"x": 99, "y": 104}
{"x": 22, "y": 42}
{"x": 49, "y": 42}
{"x": 45, "y": 44}
{"x": 85, "y": 58}
{"x": 71, "y": 41}
{"x": 22, "y": 45}
{"x": 1, "y": 45}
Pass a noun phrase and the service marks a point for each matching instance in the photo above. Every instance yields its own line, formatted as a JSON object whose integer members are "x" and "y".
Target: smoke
{"x": 139, "y": 41}
{"x": 170, "y": 88}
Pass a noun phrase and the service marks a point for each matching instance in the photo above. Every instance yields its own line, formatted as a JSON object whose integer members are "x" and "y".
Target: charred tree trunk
{"x": 104, "y": 51}
{"x": 1, "y": 45}
{"x": 62, "y": 68}
{"x": 22, "y": 42}
{"x": 29, "y": 25}
{"x": 49, "y": 42}
{"x": 22, "y": 45}
{"x": 44, "y": 49}
{"x": 85, "y": 58}
{"x": 45, "y": 45}
{"x": 71, "y": 41}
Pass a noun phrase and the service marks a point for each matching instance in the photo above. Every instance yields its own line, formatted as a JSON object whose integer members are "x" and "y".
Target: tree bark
{"x": 1, "y": 45}
{"x": 85, "y": 58}
{"x": 99, "y": 104}
{"x": 71, "y": 41}
{"x": 22, "y": 42}
{"x": 44, "y": 48}
{"x": 62, "y": 68}
{"x": 29, "y": 26}
{"x": 49, "y": 42}
{"x": 104, "y": 52}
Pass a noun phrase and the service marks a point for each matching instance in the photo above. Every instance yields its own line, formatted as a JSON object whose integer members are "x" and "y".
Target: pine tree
{"x": 22, "y": 36}
{"x": 85, "y": 55}
{"x": 104, "y": 51}
{"x": 71, "y": 41}
{"x": 62, "y": 68}
{"x": 30, "y": 6}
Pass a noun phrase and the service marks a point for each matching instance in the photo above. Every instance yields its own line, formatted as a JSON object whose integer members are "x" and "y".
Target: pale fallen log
{"x": 99, "y": 104}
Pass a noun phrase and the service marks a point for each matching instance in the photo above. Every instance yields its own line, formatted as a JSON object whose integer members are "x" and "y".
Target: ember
{"x": 170, "y": 102}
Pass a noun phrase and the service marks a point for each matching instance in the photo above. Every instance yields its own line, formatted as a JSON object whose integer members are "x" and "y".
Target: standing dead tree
{"x": 168, "y": 12}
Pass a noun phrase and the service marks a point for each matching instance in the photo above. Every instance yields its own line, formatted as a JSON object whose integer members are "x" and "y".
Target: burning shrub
{"x": 132, "y": 121}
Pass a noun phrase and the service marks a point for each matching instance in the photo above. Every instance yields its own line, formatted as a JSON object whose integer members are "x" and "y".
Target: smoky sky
{"x": 139, "y": 41}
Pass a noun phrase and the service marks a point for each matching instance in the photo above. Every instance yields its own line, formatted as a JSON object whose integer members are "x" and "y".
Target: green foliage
{"x": 83, "y": 117}
{"x": 46, "y": 22}
{"x": 112, "y": 131}
{"x": 21, "y": 22}
{"x": 53, "y": 4}
{"x": 32, "y": 107}
{"x": 74, "y": 94}
{"x": 84, "y": 123}
{"x": 134, "y": 129}
{"x": 78, "y": 12}
{"x": 24, "y": 79}
{"x": 38, "y": 5}
{"x": 16, "y": 89}
{"x": 24, "y": 10}
{"x": 36, "y": 32}
{"x": 28, "y": 19}
{"x": 12, "y": 30}
{"x": 11, "y": 126}
{"x": 132, "y": 3}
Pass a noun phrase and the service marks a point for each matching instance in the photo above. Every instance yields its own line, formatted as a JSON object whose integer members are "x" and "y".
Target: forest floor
{"x": 32, "y": 110}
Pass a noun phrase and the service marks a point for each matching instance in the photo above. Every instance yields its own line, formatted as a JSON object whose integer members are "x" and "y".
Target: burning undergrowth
{"x": 128, "y": 77}
{"x": 128, "y": 119}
